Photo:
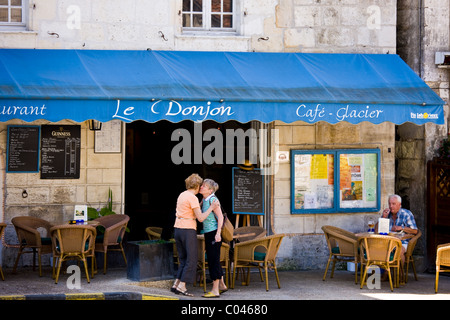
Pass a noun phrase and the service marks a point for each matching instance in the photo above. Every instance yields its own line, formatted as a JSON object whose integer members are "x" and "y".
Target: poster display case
{"x": 327, "y": 181}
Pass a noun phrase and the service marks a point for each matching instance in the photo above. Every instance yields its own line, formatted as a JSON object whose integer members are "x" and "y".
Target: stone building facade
{"x": 318, "y": 26}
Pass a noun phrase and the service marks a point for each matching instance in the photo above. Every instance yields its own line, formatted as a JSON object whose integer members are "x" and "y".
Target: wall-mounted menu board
{"x": 23, "y": 149}
{"x": 248, "y": 191}
{"x": 60, "y": 151}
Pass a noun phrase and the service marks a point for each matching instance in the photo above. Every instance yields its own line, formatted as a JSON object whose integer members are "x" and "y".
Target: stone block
{"x": 337, "y": 133}
{"x": 285, "y": 135}
{"x": 282, "y": 189}
{"x": 283, "y": 207}
{"x": 283, "y": 14}
{"x": 302, "y": 37}
{"x": 331, "y": 16}
{"x": 307, "y": 16}
{"x": 304, "y": 134}
{"x": 112, "y": 176}
{"x": 63, "y": 194}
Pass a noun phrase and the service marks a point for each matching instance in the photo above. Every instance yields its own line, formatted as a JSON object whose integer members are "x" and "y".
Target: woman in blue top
{"x": 212, "y": 227}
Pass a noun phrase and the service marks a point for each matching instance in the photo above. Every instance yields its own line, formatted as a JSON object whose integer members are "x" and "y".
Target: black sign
{"x": 248, "y": 192}
{"x": 60, "y": 151}
{"x": 22, "y": 149}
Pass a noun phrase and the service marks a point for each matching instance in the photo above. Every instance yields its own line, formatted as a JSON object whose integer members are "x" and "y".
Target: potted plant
{"x": 101, "y": 212}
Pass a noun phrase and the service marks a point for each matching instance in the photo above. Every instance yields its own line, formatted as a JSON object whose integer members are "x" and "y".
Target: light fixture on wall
{"x": 95, "y": 125}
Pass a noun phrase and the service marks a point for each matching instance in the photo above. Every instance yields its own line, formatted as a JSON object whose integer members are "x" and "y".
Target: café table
{"x": 235, "y": 237}
{"x": 398, "y": 235}
{"x": 92, "y": 223}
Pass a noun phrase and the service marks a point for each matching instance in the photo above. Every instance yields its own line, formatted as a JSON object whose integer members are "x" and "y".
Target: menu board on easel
{"x": 60, "y": 151}
{"x": 248, "y": 192}
{"x": 23, "y": 149}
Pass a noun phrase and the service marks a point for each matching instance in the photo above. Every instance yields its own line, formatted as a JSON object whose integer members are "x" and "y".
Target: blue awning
{"x": 243, "y": 86}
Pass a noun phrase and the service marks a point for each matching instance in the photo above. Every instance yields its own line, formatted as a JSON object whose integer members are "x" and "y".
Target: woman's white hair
{"x": 396, "y": 196}
{"x": 214, "y": 186}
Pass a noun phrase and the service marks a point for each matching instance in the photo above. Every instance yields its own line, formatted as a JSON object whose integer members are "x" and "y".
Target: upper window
{"x": 208, "y": 15}
{"x": 327, "y": 181}
{"x": 12, "y": 13}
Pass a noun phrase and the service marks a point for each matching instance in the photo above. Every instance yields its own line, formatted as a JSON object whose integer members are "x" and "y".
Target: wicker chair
{"x": 260, "y": 253}
{"x": 382, "y": 251}
{"x": 71, "y": 242}
{"x": 154, "y": 233}
{"x": 442, "y": 260}
{"x": 242, "y": 234}
{"x": 2, "y": 229}
{"x": 342, "y": 246}
{"x": 202, "y": 262}
{"x": 409, "y": 255}
{"x": 30, "y": 238}
{"x": 115, "y": 226}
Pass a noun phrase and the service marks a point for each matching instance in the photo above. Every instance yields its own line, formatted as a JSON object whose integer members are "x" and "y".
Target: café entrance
{"x": 154, "y": 176}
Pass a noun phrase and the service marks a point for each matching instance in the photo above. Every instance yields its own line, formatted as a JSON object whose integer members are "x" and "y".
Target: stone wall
{"x": 338, "y": 26}
{"x": 365, "y": 26}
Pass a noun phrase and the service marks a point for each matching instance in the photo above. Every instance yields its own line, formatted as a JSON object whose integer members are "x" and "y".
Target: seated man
{"x": 400, "y": 219}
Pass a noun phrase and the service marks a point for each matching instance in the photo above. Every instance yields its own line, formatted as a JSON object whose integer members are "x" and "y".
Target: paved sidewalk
{"x": 295, "y": 285}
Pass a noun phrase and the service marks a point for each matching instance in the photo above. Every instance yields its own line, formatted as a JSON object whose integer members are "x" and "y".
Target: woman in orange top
{"x": 185, "y": 233}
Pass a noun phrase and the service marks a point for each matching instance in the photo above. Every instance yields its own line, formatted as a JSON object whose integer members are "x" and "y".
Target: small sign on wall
{"x": 108, "y": 140}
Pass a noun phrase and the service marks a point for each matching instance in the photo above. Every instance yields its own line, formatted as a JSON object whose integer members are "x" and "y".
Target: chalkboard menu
{"x": 23, "y": 149}
{"x": 60, "y": 151}
{"x": 248, "y": 192}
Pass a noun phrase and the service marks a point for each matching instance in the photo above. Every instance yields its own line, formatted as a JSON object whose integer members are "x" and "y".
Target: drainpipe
{"x": 421, "y": 22}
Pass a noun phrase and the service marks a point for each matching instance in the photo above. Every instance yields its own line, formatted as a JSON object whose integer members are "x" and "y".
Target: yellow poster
{"x": 319, "y": 166}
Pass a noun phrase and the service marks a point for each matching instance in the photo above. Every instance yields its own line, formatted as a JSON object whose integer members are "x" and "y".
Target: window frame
{"x": 15, "y": 26}
{"x": 206, "y": 18}
{"x": 336, "y": 182}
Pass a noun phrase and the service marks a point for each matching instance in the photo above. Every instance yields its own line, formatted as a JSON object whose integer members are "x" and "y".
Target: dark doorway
{"x": 153, "y": 181}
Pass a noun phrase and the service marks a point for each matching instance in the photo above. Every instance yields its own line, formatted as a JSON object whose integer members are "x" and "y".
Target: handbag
{"x": 227, "y": 227}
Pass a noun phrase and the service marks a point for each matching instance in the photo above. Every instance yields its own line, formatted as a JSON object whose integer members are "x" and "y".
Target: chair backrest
{"x": 201, "y": 249}
{"x": 443, "y": 255}
{"x": 73, "y": 239}
{"x": 154, "y": 233}
{"x": 112, "y": 220}
{"x": 255, "y": 232}
{"x": 336, "y": 237}
{"x": 2, "y": 228}
{"x": 380, "y": 248}
{"x": 27, "y": 229}
{"x": 115, "y": 226}
{"x": 412, "y": 243}
{"x": 274, "y": 245}
{"x": 224, "y": 252}
{"x": 261, "y": 249}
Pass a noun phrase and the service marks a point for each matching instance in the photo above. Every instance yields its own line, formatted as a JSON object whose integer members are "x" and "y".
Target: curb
{"x": 89, "y": 296}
